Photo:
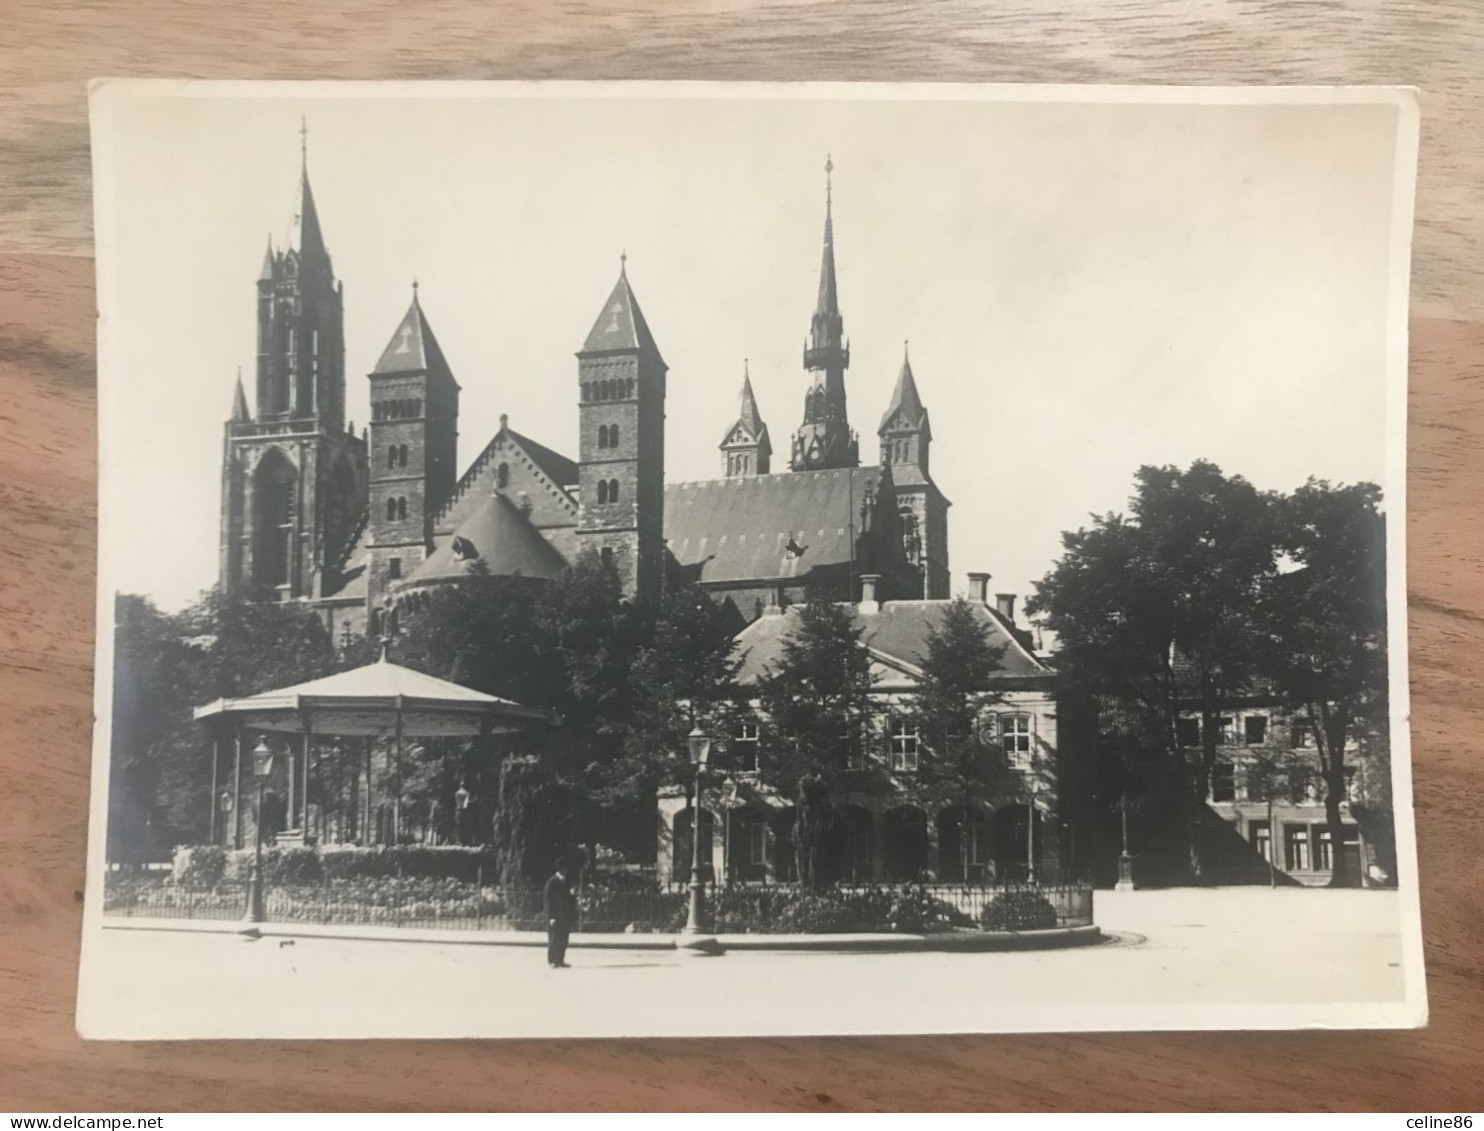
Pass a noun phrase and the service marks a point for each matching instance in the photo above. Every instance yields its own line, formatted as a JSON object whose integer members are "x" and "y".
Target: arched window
{"x": 391, "y": 510}
{"x": 602, "y": 435}
{"x": 613, "y": 435}
{"x": 502, "y": 475}
{"x": 629, "y": 389}
{"x": 613, "y": 490}
{"x": 417, "y": 406}
{"x": 602, "y": 490}
{"x": 391, "y": 456}
{"x": 401, "y": 455}
{"x": 402, "y": 508}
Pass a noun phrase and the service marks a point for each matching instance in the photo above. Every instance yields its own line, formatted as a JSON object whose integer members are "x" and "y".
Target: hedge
{"x": 205, "y": 866}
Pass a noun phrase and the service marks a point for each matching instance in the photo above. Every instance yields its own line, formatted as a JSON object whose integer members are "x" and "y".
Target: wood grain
{"x": 47, "y": 532}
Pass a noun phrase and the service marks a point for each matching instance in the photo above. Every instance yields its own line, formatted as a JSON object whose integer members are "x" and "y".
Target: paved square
{"x": 1241, "y": 949}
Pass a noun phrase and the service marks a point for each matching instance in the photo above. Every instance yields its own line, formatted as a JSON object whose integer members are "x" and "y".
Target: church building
{"x": 314, "y": 512}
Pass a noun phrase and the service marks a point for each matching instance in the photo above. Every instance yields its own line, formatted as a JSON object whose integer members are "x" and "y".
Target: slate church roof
{"x": 739, "y": 529}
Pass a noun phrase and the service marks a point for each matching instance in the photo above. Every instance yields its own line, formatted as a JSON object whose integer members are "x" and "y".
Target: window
{"x": 1256, "y": 730}
{"x": 1301, "y": 732}
{"x": 391, "y": 456}
{"x": 1262, "y": 839}
{"x": 904, "y": 746}
{"x": 602, "y": 490}
{"x": 745, "y": 743}
{"x": 1227, "y": 735}
{"x": 1223, "y": 782}
{"x": 613, "y": 490}
{"x": 1188, "y": 731}
{"x": 1324, "y": 858}
{"x": 394, "y": 568}
{"x": 401, "y": 507}
{"x": 1296, "y": 848}
{"x": 502, "y": 475}
{"x": 391, "y": 510}
{"x": 757, "y": 839}
{"x": 401, "y": 455}
{"x": 1015, "y": 737}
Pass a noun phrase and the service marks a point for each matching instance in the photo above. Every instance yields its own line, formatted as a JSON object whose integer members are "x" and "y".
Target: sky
{"x": 1087, "y": 287}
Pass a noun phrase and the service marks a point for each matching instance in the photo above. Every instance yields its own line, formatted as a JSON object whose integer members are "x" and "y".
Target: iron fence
{"x": 452, "y": 905}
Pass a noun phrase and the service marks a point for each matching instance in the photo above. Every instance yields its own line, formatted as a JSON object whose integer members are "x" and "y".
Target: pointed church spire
{"x": 746, "y": 449}
{"x": 824, "y": 439}
{"x": 311, "y": 239}
{"x": 240, "y": 415}
{"x": 904, "y": 398}
{"x": 749, "y": 414}
{"x": 827, "y": 309}
{"x": 267, "y": 272}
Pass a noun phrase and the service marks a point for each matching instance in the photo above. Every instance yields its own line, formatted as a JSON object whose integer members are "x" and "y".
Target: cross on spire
{"x": 304, "y": 142}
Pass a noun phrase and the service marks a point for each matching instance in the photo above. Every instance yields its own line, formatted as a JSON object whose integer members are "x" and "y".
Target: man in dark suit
{"x": 561, "y": 915}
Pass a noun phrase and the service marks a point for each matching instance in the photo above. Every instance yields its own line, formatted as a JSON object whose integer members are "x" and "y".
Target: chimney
{"x": 869, "y": 584}
{"x": 979, "y": 587}
{"x": 1005, "y": 604}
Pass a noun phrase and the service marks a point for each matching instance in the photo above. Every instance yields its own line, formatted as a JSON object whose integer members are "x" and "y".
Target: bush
{"x": 1018, "y": 911}
{"x": 199, "y": 866}
{"x": 916, "y": 911}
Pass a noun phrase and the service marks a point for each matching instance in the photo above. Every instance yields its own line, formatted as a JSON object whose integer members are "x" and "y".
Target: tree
{"x": 962, "y": 759}
{"x": 1324, "y": 629}
{"x": 817, "y": 697}
{"x": 683, "y": 678}
{"x": 1156, "y": 611}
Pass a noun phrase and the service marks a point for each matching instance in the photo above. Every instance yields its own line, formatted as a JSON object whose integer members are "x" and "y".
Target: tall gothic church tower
{"x": 825, "y": 440}
{"x": 906, "y": 441}
{"x": 293, "y": 478}
{"x": 621, "y": 457}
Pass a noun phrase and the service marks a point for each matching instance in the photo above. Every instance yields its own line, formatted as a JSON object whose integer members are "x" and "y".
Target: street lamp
{"x": 699, "y": 743}
{"x": 262, "y": 766}
{"x": 1125, "y": 861}
{"x": 729, "y": 801}
{"x": 460, "y": 805}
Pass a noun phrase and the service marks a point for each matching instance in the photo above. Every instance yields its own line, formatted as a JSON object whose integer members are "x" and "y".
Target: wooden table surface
{"x": 49, "y": 49}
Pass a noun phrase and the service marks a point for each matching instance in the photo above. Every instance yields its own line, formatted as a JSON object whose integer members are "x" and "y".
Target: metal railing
{"x": 450, "y": 905}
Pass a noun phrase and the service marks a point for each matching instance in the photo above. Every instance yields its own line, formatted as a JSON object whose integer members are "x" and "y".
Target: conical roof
{"x": 748, "y": 415}
{"x": 621, "y": 325}
{"x": 497, "y": 540}
{"x": 413, "y": 348}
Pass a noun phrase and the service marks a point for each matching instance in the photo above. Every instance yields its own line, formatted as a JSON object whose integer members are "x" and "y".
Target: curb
{"x": 952, "y": 942}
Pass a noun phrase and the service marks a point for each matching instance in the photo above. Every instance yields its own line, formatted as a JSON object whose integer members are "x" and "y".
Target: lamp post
{"x": 1125, "y": 861}
{"x": 225, "y": 804}
{"x": 460, "y": 805}
{"x": 699, "y": 743}
{"x": 262, "y": 766}
{"x": 729, "y": 801}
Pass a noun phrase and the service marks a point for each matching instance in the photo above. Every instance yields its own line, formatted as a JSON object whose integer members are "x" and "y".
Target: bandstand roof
{"x": 378, "y": 699}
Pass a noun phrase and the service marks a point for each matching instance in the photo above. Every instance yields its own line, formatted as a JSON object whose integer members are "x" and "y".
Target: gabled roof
{"x": 413, "y": 348}
{"x": 555, "y": 466}
{"x": 897, "y": 632}
{"x": 740, "y": 529}
{"x": 905, "y": 399}
{"x": 497, "y": 540}
{"x": 621, "y": 325}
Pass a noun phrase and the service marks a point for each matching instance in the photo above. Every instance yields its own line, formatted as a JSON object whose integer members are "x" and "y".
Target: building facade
{"x": 893, "y": 826}
{"x": 347, "y": 523}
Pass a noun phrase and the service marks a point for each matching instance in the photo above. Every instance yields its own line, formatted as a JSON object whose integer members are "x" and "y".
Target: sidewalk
{"x": 957, "y": 941}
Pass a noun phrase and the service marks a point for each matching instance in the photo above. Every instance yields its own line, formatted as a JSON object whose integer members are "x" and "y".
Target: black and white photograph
{"x": 704, "y": 559}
